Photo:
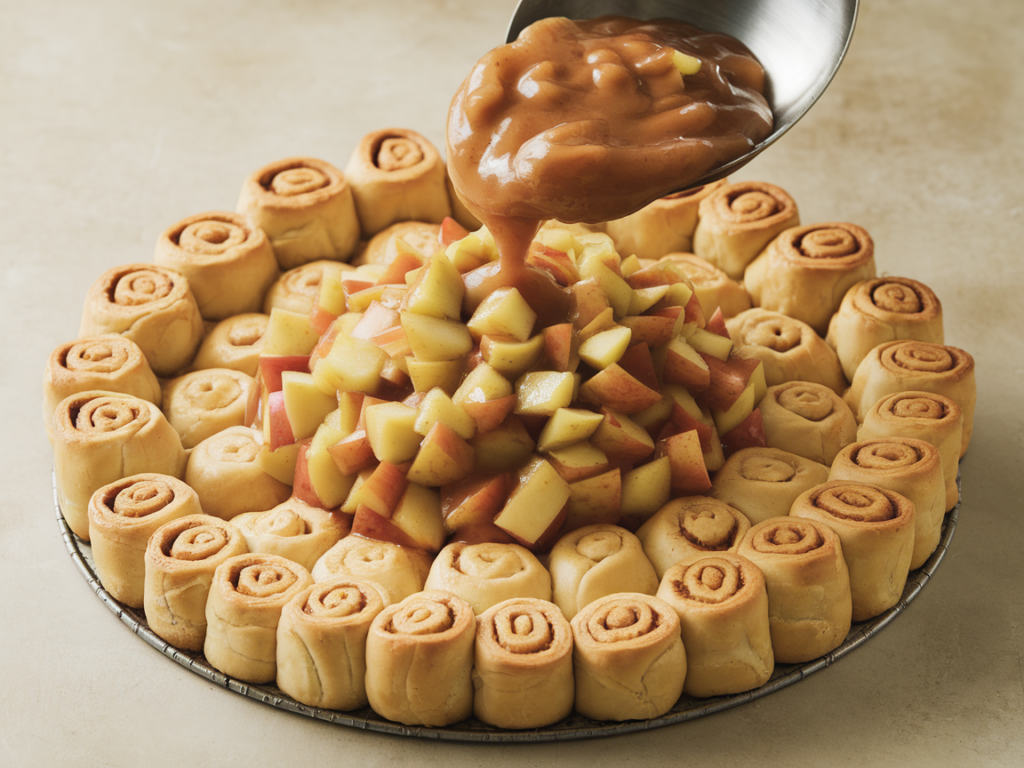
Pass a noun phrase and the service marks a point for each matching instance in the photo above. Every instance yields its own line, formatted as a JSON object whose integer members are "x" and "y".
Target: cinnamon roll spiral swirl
{"x": 297, "y": 288}
{"x": 402, "y": 571}
{"x": 807, "y": 419}
{"x": 180, "y": 560}
{"x": 234, "y": 343}
{"x": 691, "y": 525}
{"x": 202, "y": 403}
{"x": 488, "y": 573}
{"x": 523, "y": 672}
{"x": 764, "y": 482}
{"x": 876, "y": 527}
{"x": 879, "y": 310}
{"x": 714, "y": 288}
{"x": 293, "y": 529}
{"x": 722, "y": 605}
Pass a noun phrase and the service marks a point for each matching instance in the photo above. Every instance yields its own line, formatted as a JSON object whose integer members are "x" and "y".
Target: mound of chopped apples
{"x": 429, "y": 419}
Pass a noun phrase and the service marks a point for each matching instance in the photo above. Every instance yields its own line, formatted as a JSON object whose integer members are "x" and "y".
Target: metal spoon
{"x": 800, "y": 43}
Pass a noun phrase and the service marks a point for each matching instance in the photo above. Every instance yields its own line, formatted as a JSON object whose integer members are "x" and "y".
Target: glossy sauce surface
{"x": 589, "y": 121}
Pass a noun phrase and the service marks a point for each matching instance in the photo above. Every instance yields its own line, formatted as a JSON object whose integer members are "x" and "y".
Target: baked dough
{"x": 402, "y": 571}
{"x": 691, "y": 525}
{"x": 714, "y": 288}
{"x": 807, "y": 419}
{"x": 202, "y": 403}
{"x": 489, "y": 573}
{"x": 293, "y": 529}
{"x": 234, "y": 343}
{"x": 297, "y": 289}
{"x": 763, "y": 482}
{"x": 382, "y": 248}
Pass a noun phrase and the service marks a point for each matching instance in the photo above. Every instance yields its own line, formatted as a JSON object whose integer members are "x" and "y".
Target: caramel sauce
{"x": 589, "y": 121}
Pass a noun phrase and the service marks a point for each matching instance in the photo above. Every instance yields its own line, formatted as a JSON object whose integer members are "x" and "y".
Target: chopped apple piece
{"x": 541, "y": 393}
{"x": 606, "y": 347}
{"x": 271, "y": 367}
{"x": 370, "y": 525}
{"x": 279, "y": 464}
{"x": 352, "y": 453}
{"x": 436, "y": 406}
{"x": 645, "y": 490}
{"x": 437, "y": 290}
{"x": 374, "y": 320}
{"x": 622, "y": 440}
{"x": 433, "y": 338}
{"x": 475, "y": 500}
{"x": 594, "y": 500}
{"x": 710, "y": 343}
{"x": 579, "y": 461}
{"x": 430, "y": 374}
{"x": 277, "y": 431}
{"x": 749, "y": 433}
{"x": 559, "y": 347}
{"x": 615, "y": 288}
{"x": 331, "y": 485}
{"x": 503, "y": 313}
{"x": 618, "y": 390}
{"x": 684, "y": 365}
{"x": 686, "y": 461}
{"x": 567, "y": 426}
{"x": 483, "y": 383}
{"x": 450, "y": 231}
{"x": 645, "y": 298}
{"x": 536, "y": 508}
{"x": 728, "y": 419}
{"x": 654, "y": 330}
{"x": 589, "y": 301}
{"x": 603, "y": 321}
{"x": 504, "y": 448}
{"x": 418, "y": 515}
{"x": 381, "y": 488}
{"x": 304, "y": 403}
{"x": 391, "y": 429}
{"x": 510, "y": 357}
{"x": 350, "y": 365}
{"x": 288, "y": 333}
{"x": 443, "y": 458}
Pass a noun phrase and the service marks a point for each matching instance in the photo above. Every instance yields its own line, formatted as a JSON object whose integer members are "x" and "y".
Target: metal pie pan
{"x": 571, "y": 728}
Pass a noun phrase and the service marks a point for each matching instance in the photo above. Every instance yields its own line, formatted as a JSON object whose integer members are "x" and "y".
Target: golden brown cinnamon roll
{"x": 809, "y": 602}
{"x": 397, "y": 175}
{"x": 738, "y": 220}
{"x": 805, "y": 271}
{"x": 247, "y": 595}
{"x": 305, "y": 206}
{"x": 661, "y": 227}
{"x": 223, "y": 471}
{"x": 100, "y": 437}
{"x": 382, "y": 247}
{"x": 419, "y": 660}
{"x": 899, "y": 366}
{"x": 293, "y": 529}
{"x": 297, "y": 289}
{"x": 151, "y": 305}
{"x": 790, "y": 349}
{"x": 402, "y": 571}
{"x": 488, "y": 573}
{"x": 234, "y": 343}
{"x": 202, "y": 403}
{"x": 595, "y": 561}
{"x": 764, "y": 482}
{"x": 229, "y": 263}
{"x": 713, "y": 287}
{"x": 523, "y": 672}
{"x": 111, "y": 363}
{"x": 181, "y": 557}
{"x": 876, "y": 527}
{"x": 321, "y": 643}
{"x": 122, "y": 517}
{"x": 628, "y": 656}
{"x": 688, "y": 526}
{"x": 722, "y": 606}
{"x": 879, "y": 310}
{"x": 911, "y": 468}
{"x": 925, "y": 416}
{"x": 807, "y": 419}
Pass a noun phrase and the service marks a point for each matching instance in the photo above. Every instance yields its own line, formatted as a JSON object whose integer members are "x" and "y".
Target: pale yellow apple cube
{"x": 504, "y": 312}
{"x": 607, "y": 347}
{"x": 567, "y": 426}
{"x": 391, "y": 430}
{"x": 437, "y": 290}
{"x": 541, "y": 393}
{"x": 438, "y": 406}
{"x": 288, "y": 333}
{"x": 434, "y": 338}
{"x": 305, "y": 404}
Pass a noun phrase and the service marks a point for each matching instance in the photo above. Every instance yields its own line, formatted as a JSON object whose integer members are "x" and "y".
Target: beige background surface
{"x": 119, "y": 118}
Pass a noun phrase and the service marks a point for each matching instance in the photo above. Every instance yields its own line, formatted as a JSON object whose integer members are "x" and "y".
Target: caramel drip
{"x": 335, "y": 601}
{"x": 599, "y": 545}
{"x": 789, "y": 537}
{"x": 98, "y": 356}
{"x": 886, "y": 454}
{"x": 212, "y": 391}
{"x": 398, "y": 152}
{"x": 766, "y": 469}
{"x": 210, "y": 237}
{"x": 142, "y": 498}
{"x": 422, "y": 616}
{"x": 109, "y": 414}
{"x": 199, "y": 542}
{"x": 522, "y": 629}
{"x": 896, "y": 297}
{"x": 141, "y": 286}
{"x": 262, "y": 580}
{"x": 920, "y": 356}
{"x": 488, "y": 561}
{"x": 708, "y": 527}
{"x": 811, "y": 403}
{"x": 711, "y": 581}
{"x": 300, "y": 180}
{"x": 621, "y": 620}
{"x": 860, "y": 503}
{"x": 233, "y": 447}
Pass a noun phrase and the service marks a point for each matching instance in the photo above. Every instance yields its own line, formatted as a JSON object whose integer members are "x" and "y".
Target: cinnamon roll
{"x": 180, "y": 560}
{"x": 764, "y": 482}
{"x": 879, "y": 310}
{"x": 223, "y": 471}
{"x": 809, "y": 603}
{"x": 397, "y": 175}
{"x": 111, "y": 363}
{"x": 691, "y": 525}
{"x": 306, "y": 207}
{"x": 722, "y": 604}
{"x": 234, "y": 343}
{"x": 714, "y": 288}
{"x": 807, "y": 419}
{"x": 382, "y": 247}
{"x": 100, "y": 437}
{"x": 738, "y": 220}
{"x": 876, "y": 527}
{"x": 790, "y": 349}
{"x": 628, "y": 657}
{"x": 488, "y": 573}
{"x": 402, "y": 571}
{"x": 293, "y": 529}
{"x": 904, "y": 365}
{"x": 122, "y": 517}
{"x": 664, "y": 226}
{"x": 151, "y": 305}
{"x": 925, "y": 416}
{"x": 202, "y": 403}
{"x": 229, "y": 263}
{"x": 247, "y": 595}
{"x": 911, "y": 468}
{"x": 805, "y": 271}
{"x": 523, "y": 675}
{"x": 321, "y": 643}
{"x": 419, "y": 660}
{"x": 595, "y": 561}
{"x": 297, "y": 289}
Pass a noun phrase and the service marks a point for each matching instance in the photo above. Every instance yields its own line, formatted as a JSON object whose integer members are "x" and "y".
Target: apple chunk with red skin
{"x": 594, "y": 500}
{"x": 536, "y": 508}
{"x": 645, "y": 490}
{"x": 443, "y": 458}
{"x": 749, "y": 433}
{"x": 686, "y": 462}
{"x": 474, "y": 501}
{"x": 418, "y": 515}
{"x": 370, "y": 525}
{"x": 621, "y": 439}
{"x": 618, "y": 390}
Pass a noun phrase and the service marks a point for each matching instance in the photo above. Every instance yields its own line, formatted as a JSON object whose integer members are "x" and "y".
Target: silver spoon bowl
{"x": 800, "y": 44}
